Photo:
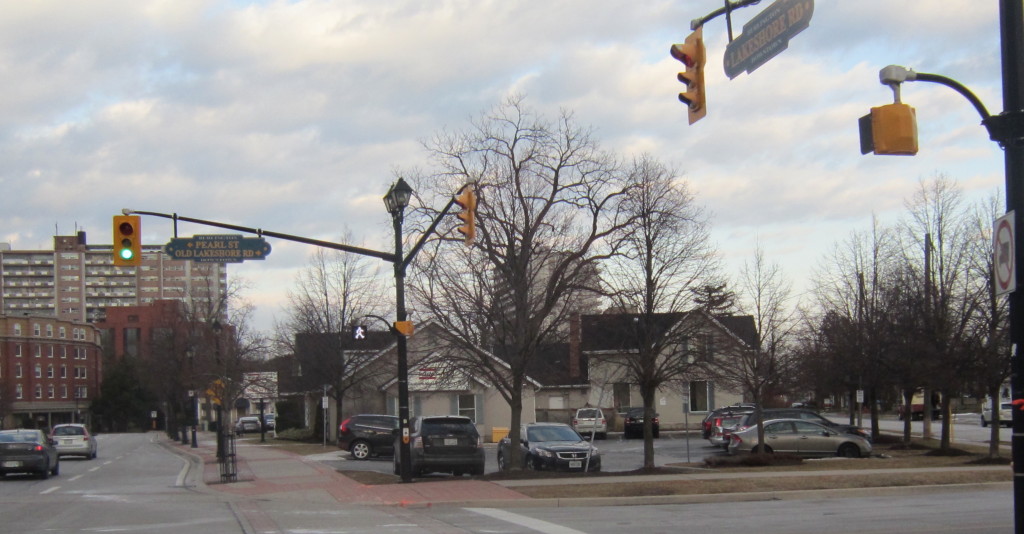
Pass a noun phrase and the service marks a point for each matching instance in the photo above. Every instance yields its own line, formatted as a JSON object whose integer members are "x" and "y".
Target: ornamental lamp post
{"x": 396, "y": 200}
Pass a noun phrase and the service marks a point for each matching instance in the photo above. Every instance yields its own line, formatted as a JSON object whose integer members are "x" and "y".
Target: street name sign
{"x": 1003, "y": 254}
{"x": 766, "y": 35}
{"x": 217, "y": 248}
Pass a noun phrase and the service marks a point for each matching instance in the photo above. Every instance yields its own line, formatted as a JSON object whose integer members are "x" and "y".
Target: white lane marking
{"x": 74, "y": 478}
{"x": 94, "y": 469}
{"x": 524, "y": 521}
{"x": 49, "y": 490}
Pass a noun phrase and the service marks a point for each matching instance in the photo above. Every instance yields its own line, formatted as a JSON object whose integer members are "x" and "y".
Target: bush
{"x": 298, "y": 434}
{"x": 752, "y": 460}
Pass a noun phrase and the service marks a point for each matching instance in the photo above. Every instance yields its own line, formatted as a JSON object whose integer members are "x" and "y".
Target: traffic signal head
{"x": 466, "y": 199}
{"x": 691, "y": 53}
{"x": 889, "y": 130}
{"x": 127, "y": 240}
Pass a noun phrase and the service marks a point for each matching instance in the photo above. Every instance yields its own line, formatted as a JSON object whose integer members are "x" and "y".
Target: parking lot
{"x": 617, "y": 454}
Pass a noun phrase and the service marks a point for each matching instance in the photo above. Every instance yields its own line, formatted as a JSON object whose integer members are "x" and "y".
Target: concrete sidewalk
{"x": 267, "y": 472}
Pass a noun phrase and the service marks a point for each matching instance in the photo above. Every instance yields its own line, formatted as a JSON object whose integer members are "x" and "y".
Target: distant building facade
{"x": 50, "y": 370}
{"x": 79, "y": 282}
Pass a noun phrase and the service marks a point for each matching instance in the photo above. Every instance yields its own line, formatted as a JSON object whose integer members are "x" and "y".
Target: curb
{"x": 712, "y": 497}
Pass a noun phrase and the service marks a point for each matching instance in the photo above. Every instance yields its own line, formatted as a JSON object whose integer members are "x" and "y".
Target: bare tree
{"x": 663, "y": 255}
{"x": 763, "y": 369}
{"x": 547, "y": 197}
{"x": 335, "y": 291}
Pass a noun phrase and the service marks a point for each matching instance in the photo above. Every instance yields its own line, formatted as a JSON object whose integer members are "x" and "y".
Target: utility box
{"x": 498, "y": 433}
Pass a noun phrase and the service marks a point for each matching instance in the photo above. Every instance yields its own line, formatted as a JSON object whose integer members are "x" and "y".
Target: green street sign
{"x": 217, "y": 248}
{"x": 766, "y": 35}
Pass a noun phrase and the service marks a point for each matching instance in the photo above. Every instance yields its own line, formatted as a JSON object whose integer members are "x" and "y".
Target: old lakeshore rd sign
{"x": 217, "y": 248}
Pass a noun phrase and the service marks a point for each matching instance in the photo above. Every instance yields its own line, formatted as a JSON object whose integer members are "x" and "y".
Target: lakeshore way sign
{"x": 217, "y": 248}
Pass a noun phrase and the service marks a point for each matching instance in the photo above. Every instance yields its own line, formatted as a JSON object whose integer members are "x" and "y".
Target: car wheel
{"x": 398, "y": 468}
{"x": 44, "y": 474}
{"x": 361, "y": 450}
{"x": 849, "y": 450}
{"x": 602, "y": 435}
{"x": 656, "y": 434}
{"x": 56, "y": 469}
{"x": 767, "y": 449}
{"x": 478, "y": 470}
{"x": 501, "y": 462}
{"x": 984, "y": 423}
{"x": 530, "y": 463}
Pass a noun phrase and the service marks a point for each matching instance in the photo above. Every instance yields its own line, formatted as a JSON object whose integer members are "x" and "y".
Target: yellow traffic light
{"x": 889, "y": 130}
{"x": 127, "y": 240}
{"x": 467, "y": 201}
{"x": 692, "y": 54}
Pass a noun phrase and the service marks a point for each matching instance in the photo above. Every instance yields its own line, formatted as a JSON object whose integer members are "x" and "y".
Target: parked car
{"x": 270, "y": 421}
{"x": 443, "y": 444}
{"x": 724, "y": 425}
{"x": 1005, "y": 414}
{"x": 800, "y": 437}
{"x": 247, "y": 424}
{"x": 28, "y": 451}
{"x": 750, "y": 419}
{"x": 633, "y": 424}
{"x": 590, "y": 421}
{"x": 714, "y": 417}
{"x": 73, "y": 440}
{"x": 367, "y": 435}
{"x": 551, "y": 447}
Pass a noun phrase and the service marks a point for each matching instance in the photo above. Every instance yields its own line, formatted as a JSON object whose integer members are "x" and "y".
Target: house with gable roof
{"x": 590, "y": 370}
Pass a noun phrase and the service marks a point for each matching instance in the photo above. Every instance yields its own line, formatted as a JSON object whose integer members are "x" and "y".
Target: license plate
{"x": 451, "y": 442}
{"x": 574, "y": 464}
{"x": 12, "y": 464}
{"x": 65, "y": 442}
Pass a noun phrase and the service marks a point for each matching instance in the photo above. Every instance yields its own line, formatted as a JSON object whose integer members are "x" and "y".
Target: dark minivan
{"x": 367, "y": 435}
{"x": 444, "y": 444}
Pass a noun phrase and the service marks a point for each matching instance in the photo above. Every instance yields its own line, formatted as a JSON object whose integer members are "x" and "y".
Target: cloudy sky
{"x": 295, "y": 116}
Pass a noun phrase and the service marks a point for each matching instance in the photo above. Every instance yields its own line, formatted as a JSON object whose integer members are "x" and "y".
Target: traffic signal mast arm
{"x": 309, "y": 241}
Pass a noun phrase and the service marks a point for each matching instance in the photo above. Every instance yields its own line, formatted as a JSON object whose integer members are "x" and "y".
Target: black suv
{"x": 368, "y": 435}
{"x": 444, "y": 444}
{"x": 750, "y": 420}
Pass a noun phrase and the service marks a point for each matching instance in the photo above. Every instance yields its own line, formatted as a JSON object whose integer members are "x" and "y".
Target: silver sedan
{"x": 801, "y": 438}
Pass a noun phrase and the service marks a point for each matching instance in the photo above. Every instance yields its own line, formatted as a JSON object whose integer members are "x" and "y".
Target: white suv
{"x": 590, "y": 422}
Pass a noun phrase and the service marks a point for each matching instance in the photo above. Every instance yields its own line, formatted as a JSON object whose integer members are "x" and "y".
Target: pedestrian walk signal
{"x": 359, "y": 332}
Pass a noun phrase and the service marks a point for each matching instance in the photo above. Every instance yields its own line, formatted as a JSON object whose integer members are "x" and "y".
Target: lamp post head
{"x": 398, "y": 197}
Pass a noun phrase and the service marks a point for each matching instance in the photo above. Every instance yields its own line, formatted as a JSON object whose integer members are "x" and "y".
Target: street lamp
{"x": 396, "y": 200}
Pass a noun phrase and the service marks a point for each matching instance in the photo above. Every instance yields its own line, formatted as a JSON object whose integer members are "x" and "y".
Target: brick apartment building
{"x": 75, "y": 291}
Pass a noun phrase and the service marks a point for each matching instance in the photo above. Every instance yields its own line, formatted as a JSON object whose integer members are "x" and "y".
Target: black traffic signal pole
{"x": 727, "y": 11}
{"x": 400, "y": 265}
{"x": 1007, "y": 129}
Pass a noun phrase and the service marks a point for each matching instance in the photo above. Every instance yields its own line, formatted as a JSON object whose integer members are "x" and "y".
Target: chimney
{"x": 574, "y": 346}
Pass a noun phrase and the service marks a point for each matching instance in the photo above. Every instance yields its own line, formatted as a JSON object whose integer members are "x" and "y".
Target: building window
{"x": 17, "y": 370}
{"x": 63, "y": 371}
{"x": 699, "y": 396}
{"x": 49, "y": 371}
{"x": 17, "y": 329}
{"x": 35, "y": 330}
{"x": 49, "y": 330}
{"x": 64, "y": 353}
{"x": 64, "y": 391}
{"x": 131, "y": 342}
{"x": 620, "y": 395}
{"x": 39, "y": 351}
{"x": 39, "y": 370}
{"x": 467, "y": 406}
{"x": 49, "y": 351}
{"x": 17, "y": 350}
{"x": 39, "y": 391}
{"x": 80, "y": 371}
{"x": 51, "y": 391}
{"x": 19, "y": 392}
{"x": 81, "y": 392}
{"x": 62, "y": 332}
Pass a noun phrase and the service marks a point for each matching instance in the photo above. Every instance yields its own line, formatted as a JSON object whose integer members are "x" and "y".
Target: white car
{"x": 590, "y": 421}
{"x": 73, "y": 440}
{"x": 1005, "y": 414}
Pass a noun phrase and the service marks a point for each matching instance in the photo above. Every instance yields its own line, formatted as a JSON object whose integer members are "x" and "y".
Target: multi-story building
{"x": 77, "y": 282}
{"x": 50, "y": 370}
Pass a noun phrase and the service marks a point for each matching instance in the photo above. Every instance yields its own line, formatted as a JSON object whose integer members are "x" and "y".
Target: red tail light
{"x": 575, "y": 422}
{"x": 344, "y": 425}
{"x": 603, "y": 421}
{"x": 38, "y": 448}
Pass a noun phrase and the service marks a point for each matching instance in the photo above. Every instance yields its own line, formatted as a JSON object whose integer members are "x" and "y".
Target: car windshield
{"x": 588, "y": 413}
{"x": 69, "y": 431}
{"x": 552, "y": 433}
{"x": 15, "y": 437}
{"x": 443, "y": 427}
